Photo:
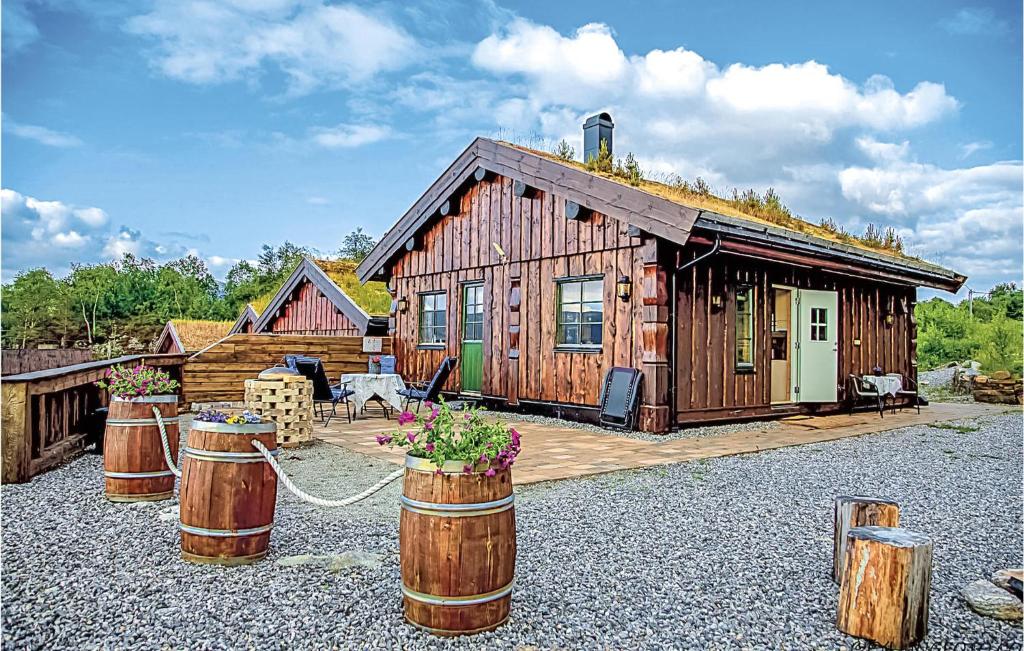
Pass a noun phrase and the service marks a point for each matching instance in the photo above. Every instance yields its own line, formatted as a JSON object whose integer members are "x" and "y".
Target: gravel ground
{"x": 937, "y": 386}
{"x": 726, "y": 553}
{"x": 684, "y": 433}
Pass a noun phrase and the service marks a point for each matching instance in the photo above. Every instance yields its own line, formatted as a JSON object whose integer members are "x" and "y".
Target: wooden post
{"x": 654, "y": 411}
{"x": 514, "y": 302}
{"x": 859, "y": 511}
{"x": 16, "y": 426}
{"x": 887, "y": 576}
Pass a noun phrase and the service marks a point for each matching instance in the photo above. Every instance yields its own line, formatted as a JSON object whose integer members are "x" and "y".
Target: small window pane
{"x": 580, "y": 302}
{"x": 744, "y": 319}
{"x": 819, "y": 324}
{"x": 570, "y": 316}
{"x": 591, "y": 335}
{"x": 432, "y": 318}
{"x": 592, "y": 291}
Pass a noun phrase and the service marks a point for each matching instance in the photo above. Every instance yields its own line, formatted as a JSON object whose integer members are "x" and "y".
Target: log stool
{"x": 286, "y": 400}
{"x": 859, "y": 511}
{"x": 887, "y": 577}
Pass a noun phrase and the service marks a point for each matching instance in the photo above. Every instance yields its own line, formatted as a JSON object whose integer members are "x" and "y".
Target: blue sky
{"x": 213, "y": 127}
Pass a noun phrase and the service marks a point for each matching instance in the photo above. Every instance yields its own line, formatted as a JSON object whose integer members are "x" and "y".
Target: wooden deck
{"x": 551, "y": 453}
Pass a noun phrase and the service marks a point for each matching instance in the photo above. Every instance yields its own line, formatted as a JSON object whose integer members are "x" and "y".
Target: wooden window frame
{"x": 577, "y": 348}
{"x": 751, "y": 292}
{"x": 432, "y": 345}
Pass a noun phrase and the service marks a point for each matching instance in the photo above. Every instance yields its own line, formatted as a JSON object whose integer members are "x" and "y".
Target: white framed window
{"x": 433, "y": 318}
{"x": 819, "y": 324}
{"x": 744, "y": 306}
{"x": 580, "y": 315}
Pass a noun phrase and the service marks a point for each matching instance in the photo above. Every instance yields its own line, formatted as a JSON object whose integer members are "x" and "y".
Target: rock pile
{"x": 999, "y": 387}
{"x": 998, "y": 597}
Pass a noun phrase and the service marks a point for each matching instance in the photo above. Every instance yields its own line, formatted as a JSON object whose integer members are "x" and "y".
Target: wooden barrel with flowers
{"x": 228, "y": 490}
{"x": 457, "y": 530}
{"x": 134, "y": 466}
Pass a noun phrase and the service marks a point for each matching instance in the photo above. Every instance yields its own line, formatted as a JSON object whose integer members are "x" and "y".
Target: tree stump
{"x": 859, "y": 511}
{"x": 887, "y": 577}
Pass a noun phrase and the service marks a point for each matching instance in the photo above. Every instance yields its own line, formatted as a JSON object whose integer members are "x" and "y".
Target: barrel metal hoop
{"x": 137, "y": 475}
{"x": 469, "y": 600}
{"x": 224, "y": 533}
{"x": 457, "y": 510}
{"x": 450, "y": 467}
{"x": 173, "y": 420}
{"x": 228, "y": 457}
{"x": 166, "y": 398}
{"x": 228, "y": 428}
{"x": 451, "y": 631}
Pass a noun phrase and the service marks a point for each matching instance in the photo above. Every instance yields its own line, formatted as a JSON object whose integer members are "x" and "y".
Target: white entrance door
{"x": 816, "y": 344}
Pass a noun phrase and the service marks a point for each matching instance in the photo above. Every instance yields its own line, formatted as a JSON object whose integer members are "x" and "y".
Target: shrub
{"x": 564, "y": 150}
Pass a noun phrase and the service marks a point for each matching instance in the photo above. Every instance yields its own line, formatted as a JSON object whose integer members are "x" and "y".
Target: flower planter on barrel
{"x": 457, "y": 532}
{"x": 228, "y": 493}
{"x": 134, "y": 465}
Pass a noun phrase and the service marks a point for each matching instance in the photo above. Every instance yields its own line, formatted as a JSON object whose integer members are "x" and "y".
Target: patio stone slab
{"x": 551, "y": 453}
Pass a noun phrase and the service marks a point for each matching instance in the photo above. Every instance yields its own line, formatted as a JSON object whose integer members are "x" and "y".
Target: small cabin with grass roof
{"x": 190, "y": 335}
{"x": 246, "y": 320}
{"x": 324, "y": 297}
{"x": 541, "y": 273}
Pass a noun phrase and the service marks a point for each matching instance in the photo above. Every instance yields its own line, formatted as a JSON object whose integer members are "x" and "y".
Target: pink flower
{"x": 515, "y": 436}
{"x": 405, "y": 418}
{"x": 491, "y": 472}
{"x": 428, "y": 404}
{"x": 466, "y": 416}
{"x": 429, "y": 447}
{"x": 383, "y": 440}
{"x": 438, "y": 472}
{"x": 483, "y": 457}
{"x": 467, "y": 469}
{"x": 428, "y": 426}
{"x": 411, "y": 436}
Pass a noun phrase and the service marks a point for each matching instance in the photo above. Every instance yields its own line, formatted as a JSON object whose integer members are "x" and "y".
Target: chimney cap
{"x": 603, "y": 117}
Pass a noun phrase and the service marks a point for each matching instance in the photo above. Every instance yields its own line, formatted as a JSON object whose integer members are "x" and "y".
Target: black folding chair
{"x": 323, "y": 392}
{"x": 861, "y": 391}
{"x": 419, "y": 392}
{"x": 620, "y": 397}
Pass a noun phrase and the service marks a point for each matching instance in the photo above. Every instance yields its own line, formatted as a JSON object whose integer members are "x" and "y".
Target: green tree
{"x": 356, "y": 245}
{"x": 29, "y": 308}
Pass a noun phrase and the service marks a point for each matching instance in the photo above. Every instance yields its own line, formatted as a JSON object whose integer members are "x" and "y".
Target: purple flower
{"x": 428, "y": 404}
{"x": 467, "y": 469}
{"x": 438, "y": 472}
{"x": 429, "y": 447}
{"x": 466, "y": 416}
{"x": 405, "y": 418}
{"x": 483, "y": 457}
{"x": 491, "y": 472}
{"x": 411, "y": 437}
{"x": 428, "y": 426}
{"x": 383, "y": 439}
{"x": 515, "y": 436}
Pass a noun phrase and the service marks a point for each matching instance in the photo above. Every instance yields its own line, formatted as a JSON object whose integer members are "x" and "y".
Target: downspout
{"x": 673, "y": 384}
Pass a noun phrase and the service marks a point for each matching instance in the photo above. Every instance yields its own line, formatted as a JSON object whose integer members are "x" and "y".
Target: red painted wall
{"x": 308, "y": 312}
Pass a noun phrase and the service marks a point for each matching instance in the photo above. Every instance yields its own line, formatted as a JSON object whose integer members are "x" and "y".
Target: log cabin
{"x": 245, "y": 321}
{"x": 541, "y": 274}
{"x": 323, "y": 297}
{"x": 189, "y": 336}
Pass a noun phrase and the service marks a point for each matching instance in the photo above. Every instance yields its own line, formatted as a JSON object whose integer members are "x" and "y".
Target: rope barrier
{"x": 167, "y": 447}
{"x": 306, "y": 497}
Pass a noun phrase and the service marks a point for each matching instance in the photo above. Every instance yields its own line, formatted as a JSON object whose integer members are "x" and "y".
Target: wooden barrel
{"x": 458, "y": 548}
{"x": 134, "y": 468}
{"x": 228, "y": 492}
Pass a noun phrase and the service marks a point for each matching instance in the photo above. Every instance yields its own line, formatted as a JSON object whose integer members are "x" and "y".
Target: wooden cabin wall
{"x": 540, "y": 245}
{"x": 707, "y": 383}
{"x": 309, "y": 312}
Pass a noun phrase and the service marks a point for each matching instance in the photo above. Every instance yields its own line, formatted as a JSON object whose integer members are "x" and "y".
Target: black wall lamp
{"x": 624, "y": 288}
{"x": 403, "y": 305}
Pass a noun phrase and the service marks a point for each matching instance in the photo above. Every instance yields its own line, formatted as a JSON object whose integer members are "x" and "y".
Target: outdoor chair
{"x": 323, "y": 391}
{"x": 911, "y": 393}
{"x": 860, "y": 391}
{"x": 419, "y": 392}
{"x": 620, "y": 397}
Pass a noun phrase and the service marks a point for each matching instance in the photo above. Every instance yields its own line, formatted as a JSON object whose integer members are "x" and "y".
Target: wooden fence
{"x": 46, "y": 414}
{"x": 26, "y": 360}
{"x": 219, "y": 372}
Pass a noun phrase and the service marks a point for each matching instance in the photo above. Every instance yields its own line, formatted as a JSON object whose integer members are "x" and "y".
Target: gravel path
{"x": 732, "y": 552}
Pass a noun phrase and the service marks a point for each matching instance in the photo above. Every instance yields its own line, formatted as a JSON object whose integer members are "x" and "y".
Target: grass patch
{"x": 961, "y": 429}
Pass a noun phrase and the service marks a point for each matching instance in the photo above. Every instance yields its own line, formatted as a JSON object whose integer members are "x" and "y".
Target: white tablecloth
{"x": 886, "y": 384}
{"x": 368, "y": 385}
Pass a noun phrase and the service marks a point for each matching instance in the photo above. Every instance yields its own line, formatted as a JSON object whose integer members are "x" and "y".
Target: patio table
{"x": 890, "y": 384}
{"x": 367, "y": 385}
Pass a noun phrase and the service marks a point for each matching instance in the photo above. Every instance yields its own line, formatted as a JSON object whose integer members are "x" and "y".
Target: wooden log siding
{"x": 27, "y": 360}
{"x": 539, "y": 246}
{"x": 219, "y": 372}
{"x": 707, "y": 383}
{"x": 311, "y": 313}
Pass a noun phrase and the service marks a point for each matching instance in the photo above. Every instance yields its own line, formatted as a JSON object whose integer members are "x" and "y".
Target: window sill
{"x": 431, "y": 346}
{"x": 746, "y": 370}
{"x": 578, "y": 349}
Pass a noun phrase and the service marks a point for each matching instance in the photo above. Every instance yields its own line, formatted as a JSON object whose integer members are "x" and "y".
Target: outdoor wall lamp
{"x": 403, "y": 305}
{"x": 716, "y": 300}
{"x": 889, "y": 319}
{"x": 624, "y": 288}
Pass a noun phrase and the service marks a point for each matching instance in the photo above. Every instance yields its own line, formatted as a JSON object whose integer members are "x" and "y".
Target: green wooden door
{"x": 472, "y": 361}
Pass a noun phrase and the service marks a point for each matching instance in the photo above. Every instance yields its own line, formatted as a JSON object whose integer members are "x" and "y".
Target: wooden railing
{"x": 26, "y": 360}
{"x": 219, "y": 372}
{"x": 46, "y": 414}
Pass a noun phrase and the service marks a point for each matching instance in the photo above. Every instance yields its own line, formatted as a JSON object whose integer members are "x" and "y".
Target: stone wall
{"x": 999, "y": 387}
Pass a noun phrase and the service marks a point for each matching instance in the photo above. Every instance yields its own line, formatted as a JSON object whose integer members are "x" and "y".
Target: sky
{"x": 170, "y": 127}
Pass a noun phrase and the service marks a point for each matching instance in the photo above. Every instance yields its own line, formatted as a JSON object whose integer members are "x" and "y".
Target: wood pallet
{"x": 286, "y": 400}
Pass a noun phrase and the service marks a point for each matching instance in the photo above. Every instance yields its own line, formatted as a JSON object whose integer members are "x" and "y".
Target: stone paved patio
{"x": 550, "y": 453}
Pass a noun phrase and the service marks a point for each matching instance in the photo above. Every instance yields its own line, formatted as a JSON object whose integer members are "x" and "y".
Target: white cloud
{"x": 19, "y": 30}
{"x": 969, "y": 149}
{"x": 318, "y": 201}
{"x": 40, "y": 134}
{"x": 970, "y": 21}
{"x": 345, "y": 136}
{"x": 883, "y": 151}
{"x": 312, "y": 43}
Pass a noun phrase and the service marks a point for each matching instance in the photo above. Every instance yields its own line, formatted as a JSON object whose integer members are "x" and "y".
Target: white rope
{"x": 163, "y": 439}
{"x": 316, "y": 500}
